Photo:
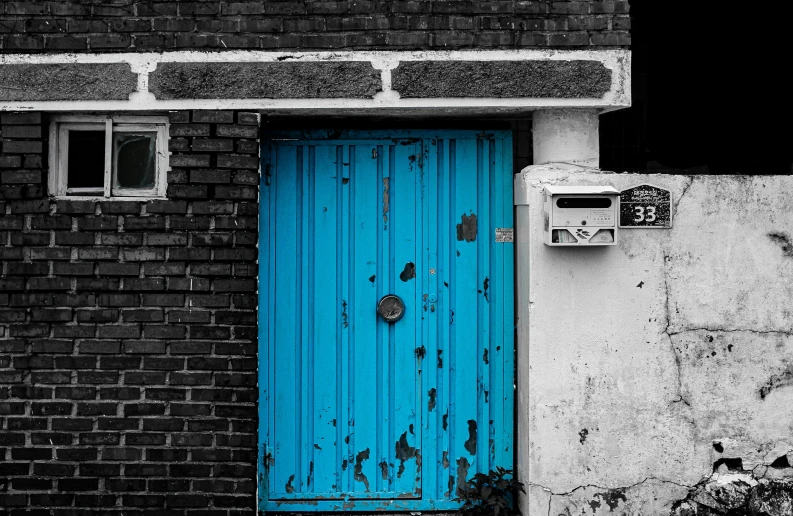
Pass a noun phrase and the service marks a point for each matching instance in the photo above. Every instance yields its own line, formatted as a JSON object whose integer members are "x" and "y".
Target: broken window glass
{"x": 134, "y": 160}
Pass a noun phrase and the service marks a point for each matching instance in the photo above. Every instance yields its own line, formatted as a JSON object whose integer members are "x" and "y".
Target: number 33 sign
{"x": 645, "y": 206}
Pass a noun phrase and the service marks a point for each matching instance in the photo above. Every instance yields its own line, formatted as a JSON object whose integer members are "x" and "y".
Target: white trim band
{"x": 618, "y": 96}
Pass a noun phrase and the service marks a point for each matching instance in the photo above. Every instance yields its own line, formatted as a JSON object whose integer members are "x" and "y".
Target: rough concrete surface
{"x": 661, "y": 370}
{"x": 296, "y": 80}
{"x": 73, "y": 81}
{"x": 502, "y": 79}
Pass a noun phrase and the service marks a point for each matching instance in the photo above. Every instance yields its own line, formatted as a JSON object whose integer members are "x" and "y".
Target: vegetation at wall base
{"x": 489, "y": 494}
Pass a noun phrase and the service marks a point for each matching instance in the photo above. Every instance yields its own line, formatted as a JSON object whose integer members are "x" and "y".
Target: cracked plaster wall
{"x": 651, "y": 362}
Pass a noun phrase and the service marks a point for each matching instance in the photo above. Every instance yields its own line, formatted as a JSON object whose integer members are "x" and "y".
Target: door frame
{"x": 264, "y": 459}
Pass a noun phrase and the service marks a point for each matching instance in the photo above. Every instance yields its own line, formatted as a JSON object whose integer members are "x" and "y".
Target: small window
{"x": 108, "y": 157}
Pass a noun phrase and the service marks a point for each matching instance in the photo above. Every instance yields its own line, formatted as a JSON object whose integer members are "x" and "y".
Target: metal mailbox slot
{"x": 580, "y": 215}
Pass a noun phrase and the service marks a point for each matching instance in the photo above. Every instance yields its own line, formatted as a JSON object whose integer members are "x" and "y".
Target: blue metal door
{"x": 358, "y": 413}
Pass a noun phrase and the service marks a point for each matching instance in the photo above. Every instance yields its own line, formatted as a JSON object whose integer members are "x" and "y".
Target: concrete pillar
{"x": 566, "y": 136}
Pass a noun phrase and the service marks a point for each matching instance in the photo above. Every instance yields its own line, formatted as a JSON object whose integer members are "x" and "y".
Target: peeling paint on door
{"x": 409, "y": 398}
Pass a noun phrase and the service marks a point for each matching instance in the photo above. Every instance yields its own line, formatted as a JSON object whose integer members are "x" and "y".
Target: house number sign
{"x": 645, "y": 206}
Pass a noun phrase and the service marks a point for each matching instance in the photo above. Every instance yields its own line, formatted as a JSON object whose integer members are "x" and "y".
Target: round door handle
{"x": 391, "y": 308}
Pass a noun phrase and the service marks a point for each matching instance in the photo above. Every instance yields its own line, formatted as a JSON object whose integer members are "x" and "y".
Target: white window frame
{"x": 60, "y": 125}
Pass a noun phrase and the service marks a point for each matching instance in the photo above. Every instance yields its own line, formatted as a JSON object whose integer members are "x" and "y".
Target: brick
{"x": 185, "y": 129}
{"x": 235, "y": 285}
{"x": 118, "y": 423}
{"x": 148, "y": 223}
{"x": 11, "y": 253}
{"x": 98, "y": 253}
{"x": 120, "y": 239}
{"x": 188, "y": 191}
{"x": 78, "y": 484}
{"x": 237, "y": 131}
{"x": 190, "y": 347}
{"x": 99, "y": 470}
{"x": 99, "y": 347}
{"x": 146, "y": 470}
{"x": 189, "y": 223}
{"x": 75, "y": 393}
{"x": 100, "y": 438}
{"x": 38, "y": 484}
{"x": 169, "y": 207}
{"x": 29, "y": 330}
{"x": 236, "y": 192}
{"x": 187, "y": 500}
{"x": 568, "y": 39}
{"x": 123, "y": 484}
{"x": 20, "y": 118}
{"x": 50, "y": 253}
{"x": 97, "y": 316}
{"x": 24, "y": 43}
{"x": 7, "y": 409}
{"x": 37, "y": 206}
{"x": 212, "y": 175}
{"x": 213, "y": 117}
{"x": 53, "y": 377}
{"x": 247, "y": 146}
{"x": 52, "y": 438}
{"x": 31, "y": 453}
{"x": 164, "y": 425}
{"x": 65, "y": 42}
{"x": 144, "y": 378}
{"x": 166, "y": 239}
{"x": 212, "y": 145}
{"x": 28, "y": 239}
{"x": 120, "y": 207}
{"x": 52, "y": 346}
{"x": 76, "y": 454}
{"x": 119, "y": 393}
{"x": 245, "y": 177}
{"x": 97, "y": 284}
{"x": 118, "y": 331}
{"x": 212, "y": 239}
{"x": 10, "y": 161}
{"x": 68, "y": 238}
{"x": 110, "y": 41}
{"x": 213, "y": 300}
{"x": 97, "y": 223}
{"x": 143, "y": 254}
{"x": 51, "y": 315}
{"x": 142, "y": 315}
{"x": 164, "y": 332}
{"x": 163, "y": 300}
{"x": 126, "y": 454}
{"x": 237, "y": 223}
{"x": 166, "y": 394}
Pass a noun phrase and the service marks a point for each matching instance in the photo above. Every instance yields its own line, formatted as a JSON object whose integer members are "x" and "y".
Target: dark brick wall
{"x": 129, "y": 26}
{"x": 128, "y": 331}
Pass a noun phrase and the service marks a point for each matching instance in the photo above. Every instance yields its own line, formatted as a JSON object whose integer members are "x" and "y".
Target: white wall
{"x": 633, "y": 360}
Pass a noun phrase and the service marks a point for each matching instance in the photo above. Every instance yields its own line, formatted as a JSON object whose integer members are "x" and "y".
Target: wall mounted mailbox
{"x": 580, "y": 215}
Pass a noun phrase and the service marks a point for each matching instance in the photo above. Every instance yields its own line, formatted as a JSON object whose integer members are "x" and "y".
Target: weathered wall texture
{"x": 128, "y": 330}
{"x": 77, "y": 81}
{"x": 345, "y": 79}
{"x": 146, "y": 25}
{"x": 560, "y": 79}
{"x": 658, "y": 374}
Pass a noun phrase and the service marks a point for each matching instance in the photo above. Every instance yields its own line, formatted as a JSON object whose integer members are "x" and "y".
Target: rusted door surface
{"x": 358, "y": 412}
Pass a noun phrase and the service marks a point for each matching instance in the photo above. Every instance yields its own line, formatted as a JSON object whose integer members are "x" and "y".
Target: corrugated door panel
{"x": 357, "y": 413}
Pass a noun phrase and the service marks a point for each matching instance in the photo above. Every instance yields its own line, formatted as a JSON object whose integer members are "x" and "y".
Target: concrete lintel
{"x": 617, "y": 62}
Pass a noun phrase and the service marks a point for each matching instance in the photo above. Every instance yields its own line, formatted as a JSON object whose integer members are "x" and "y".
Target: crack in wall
{"x": 731, "y": 330}
{"x": 682, "y": 194}
{"x": 669, "y": 334}
{"x": 608, "y": 489}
